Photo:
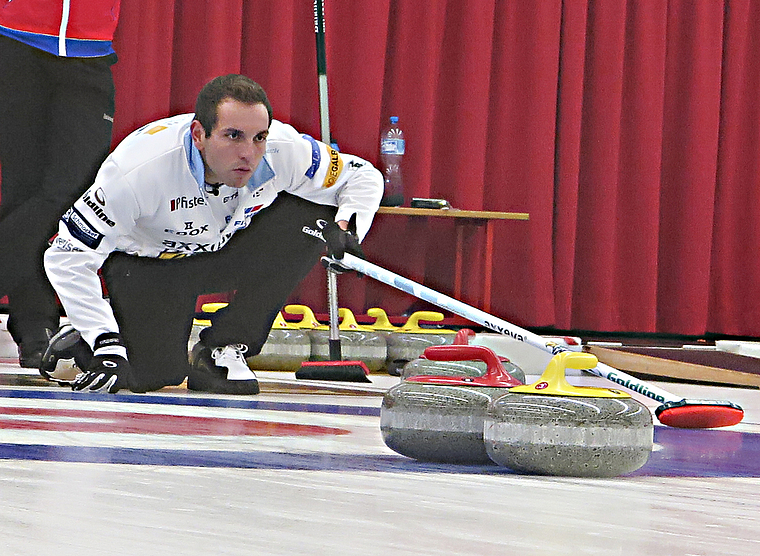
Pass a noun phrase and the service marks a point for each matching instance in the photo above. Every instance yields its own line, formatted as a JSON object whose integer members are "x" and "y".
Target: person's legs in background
{"x": 55, "y": 131}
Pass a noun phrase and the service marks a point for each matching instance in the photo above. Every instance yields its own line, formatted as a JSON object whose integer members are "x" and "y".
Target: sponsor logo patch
{"x": 334, "y": 169}
{"x": 171, "y": 255}
{"x": 81, "y": 229}
{"x": 186, "y": 203}
{"x": 65, "y": 245}
{"x": 97, "y": 210}
{"x": 316, "y": 233}
{"x": 156, "y": 129}
{"x": 190, "y": 230}
{"x": 316, "y": 157}
{"x": 178, "y": 248}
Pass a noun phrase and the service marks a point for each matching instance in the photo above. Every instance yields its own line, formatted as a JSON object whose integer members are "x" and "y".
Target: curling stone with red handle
{"x": 424, "y": 366}
{"x": 440, "y": 418}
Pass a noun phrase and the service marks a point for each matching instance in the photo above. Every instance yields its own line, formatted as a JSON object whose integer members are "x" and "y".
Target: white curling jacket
{"x": 148, "y": 199}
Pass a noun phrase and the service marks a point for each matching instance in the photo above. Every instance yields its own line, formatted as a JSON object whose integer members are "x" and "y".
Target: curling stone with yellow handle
{"x": 358, "y": 343}
{"x": 551, "y": 427}
{"x": 406, "y": 343}
{"x": 200, "y": 324}
{"x": 308, "y": 321}
{"x": 287, "y": 346}
{"x": 382, "y": 322}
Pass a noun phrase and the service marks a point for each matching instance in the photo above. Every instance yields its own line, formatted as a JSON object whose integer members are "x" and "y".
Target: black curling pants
{"x": 56, "y": 117}
{"x": 154, "y": 299}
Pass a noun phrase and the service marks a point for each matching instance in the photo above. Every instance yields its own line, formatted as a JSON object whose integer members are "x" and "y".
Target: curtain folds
{"x": 627, "y": 129}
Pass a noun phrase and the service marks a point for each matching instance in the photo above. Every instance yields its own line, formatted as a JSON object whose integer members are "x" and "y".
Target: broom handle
{"x": 499, "y": 325}
{"x": 319, "y": 32}
{"x": 332, "y": 307}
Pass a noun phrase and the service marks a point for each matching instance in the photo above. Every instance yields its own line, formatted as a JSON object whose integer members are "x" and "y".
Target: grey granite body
{"x": 284, "y": 350}
{"x": 407, "y": 346}
{"x": 437, "y": 423}
{"x": 568, "y": 436}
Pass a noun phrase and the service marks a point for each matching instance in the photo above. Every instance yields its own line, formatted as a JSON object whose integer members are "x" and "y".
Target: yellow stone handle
{"x": 348, "y": 321}
{"x": 413, "y": 323}
{"x": 309, "y": 321}
{"x": 208, "y": 308}
{"x": 554, "y": 383}
{"x": 212, "y": 307}
{"x": 381, "y": 320}
{"x": 281, "y": 324}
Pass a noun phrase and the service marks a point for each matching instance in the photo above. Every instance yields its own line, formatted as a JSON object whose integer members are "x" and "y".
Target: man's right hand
{"x": 106, "y": 373}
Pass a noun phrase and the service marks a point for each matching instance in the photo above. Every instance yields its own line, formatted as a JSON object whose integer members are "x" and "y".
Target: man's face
{"x": 237, "y": 143}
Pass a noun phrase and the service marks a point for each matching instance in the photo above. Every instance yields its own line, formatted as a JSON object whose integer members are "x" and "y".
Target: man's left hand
{"x": 342, "y": 239}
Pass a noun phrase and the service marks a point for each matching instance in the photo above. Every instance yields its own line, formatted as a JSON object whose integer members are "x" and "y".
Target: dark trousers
{"x": 55, "y": 130}
{"x": 154, "y": 299}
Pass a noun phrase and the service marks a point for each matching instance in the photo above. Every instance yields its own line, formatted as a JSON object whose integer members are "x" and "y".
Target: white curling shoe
{"x": 222, "y": 370}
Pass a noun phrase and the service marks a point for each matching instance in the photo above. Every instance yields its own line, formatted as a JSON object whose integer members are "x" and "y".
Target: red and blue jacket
{"x": 71, "y": 28}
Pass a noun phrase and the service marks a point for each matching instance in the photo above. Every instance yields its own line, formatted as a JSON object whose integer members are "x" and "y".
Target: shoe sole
{"x": 236, "y": 387}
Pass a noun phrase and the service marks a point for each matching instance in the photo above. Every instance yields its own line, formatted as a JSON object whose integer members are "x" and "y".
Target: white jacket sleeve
{"x": 319, "y": 173}
{"x": 87, "y": 233}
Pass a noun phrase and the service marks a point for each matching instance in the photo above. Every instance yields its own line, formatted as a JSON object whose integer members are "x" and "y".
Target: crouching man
{"x": 224, "y": 199}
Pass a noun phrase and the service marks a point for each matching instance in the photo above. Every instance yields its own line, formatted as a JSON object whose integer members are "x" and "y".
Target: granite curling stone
{"x": 441, "y": 418}
{"x": 553, "y": 428}
{"x": 424, "y": 366}
{"x": 358, "y": 343}
{"x": 407, "y": 342}
{"x": 287, "y": 346}
{"x": 200, "y": 323}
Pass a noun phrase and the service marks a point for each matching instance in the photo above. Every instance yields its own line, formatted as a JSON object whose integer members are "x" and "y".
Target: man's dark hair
{"x": 231, "y": 86}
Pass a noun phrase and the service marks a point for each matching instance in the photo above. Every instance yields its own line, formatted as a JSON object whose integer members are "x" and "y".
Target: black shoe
{"x": 30, "y": 357}
{"x": 66, "y": 344}
{"x": 30, "y": 350}
{"x": 211, "y": 371}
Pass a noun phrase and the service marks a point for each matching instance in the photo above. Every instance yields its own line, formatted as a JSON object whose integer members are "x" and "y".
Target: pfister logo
{"x": 186, "y": 203}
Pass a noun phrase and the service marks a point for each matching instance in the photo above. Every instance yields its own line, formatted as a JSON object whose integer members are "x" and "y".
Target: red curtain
{"x": 629, "y": 130}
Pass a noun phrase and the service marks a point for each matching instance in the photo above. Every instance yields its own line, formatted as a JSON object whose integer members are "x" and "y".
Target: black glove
{"x": 107, "y": 372}
{"x": 339, "y": 241}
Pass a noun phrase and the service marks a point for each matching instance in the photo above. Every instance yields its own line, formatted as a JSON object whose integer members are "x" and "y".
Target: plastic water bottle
{"x": 392, "y": 147}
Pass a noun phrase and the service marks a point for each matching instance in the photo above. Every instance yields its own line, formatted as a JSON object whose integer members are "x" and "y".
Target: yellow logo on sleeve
{"x": 156, "y": 129}
{"x": 171, "y": 255}
{"x": 335, "y": 168}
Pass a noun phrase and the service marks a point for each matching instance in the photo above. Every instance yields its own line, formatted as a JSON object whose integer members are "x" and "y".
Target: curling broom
{"x": 673, "y": 411}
